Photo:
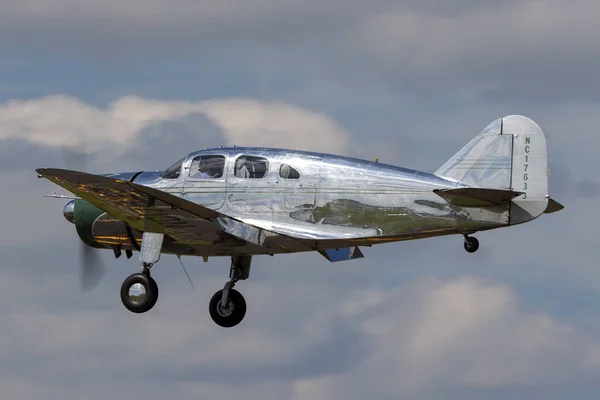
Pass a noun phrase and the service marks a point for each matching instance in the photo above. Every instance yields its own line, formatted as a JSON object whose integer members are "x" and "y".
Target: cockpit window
{"x": 207, "y": 167}
{"x": 174, "y": 171}
{"x": 288, "y": 172}
{"x": 251, "y": 167}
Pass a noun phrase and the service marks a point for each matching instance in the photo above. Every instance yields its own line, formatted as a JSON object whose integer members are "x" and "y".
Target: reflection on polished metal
{"x": 69, "y": 211}
{"x": 331, "y": 201}
{"x": 137, "y": 293}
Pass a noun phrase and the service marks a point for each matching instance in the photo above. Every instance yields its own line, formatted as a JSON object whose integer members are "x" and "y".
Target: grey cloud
{"x": 494, "y": 52}
{"x": 256, "y": 18}
{"x": 563, "y": 183}
{"x": 588, "y": 189}
{"x": 545, "y": 78}
{"x": 163, "y": 143}
{"x": 343, "y": 351}
{"x": 58, "y": 342}
{"x": 172, "y": 347}
{"x": 22, "y": 155}
{"x": 64, "y": 343}
{"x": 517, "y": 80}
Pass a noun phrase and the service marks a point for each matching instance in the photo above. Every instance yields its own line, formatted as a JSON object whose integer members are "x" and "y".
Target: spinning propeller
{"x": 91, "y": 268}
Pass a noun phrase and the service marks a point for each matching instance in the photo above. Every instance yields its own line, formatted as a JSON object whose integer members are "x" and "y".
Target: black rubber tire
{"x": 154, "y": 292}
{"x": 151, "y": 289}
{"x": 236, "y": 316}
{"x": 472, "y": 245}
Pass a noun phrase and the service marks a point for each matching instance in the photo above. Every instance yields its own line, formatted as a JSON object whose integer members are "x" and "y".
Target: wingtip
{"x": 49, "y": 173}
{"x": 45, "y": 171}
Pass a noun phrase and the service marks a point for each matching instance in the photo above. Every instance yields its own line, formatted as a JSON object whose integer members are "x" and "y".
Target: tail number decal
{"x": 526, "y": 166}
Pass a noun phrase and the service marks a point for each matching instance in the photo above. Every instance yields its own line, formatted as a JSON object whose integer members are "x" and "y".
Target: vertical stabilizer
{"x": 485, "y": 162}
{"x": 509, "y": 154}
{"x": 529, "y": 169}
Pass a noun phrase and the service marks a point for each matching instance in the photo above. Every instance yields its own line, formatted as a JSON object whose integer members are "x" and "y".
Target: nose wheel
{"x": 139, "y": 292}
{"x": 471, "y": 244}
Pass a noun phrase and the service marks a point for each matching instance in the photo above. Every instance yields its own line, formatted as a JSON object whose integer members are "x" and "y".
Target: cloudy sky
{"x": 141, "y": 83}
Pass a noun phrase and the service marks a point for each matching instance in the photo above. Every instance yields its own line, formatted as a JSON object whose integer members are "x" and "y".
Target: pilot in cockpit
{"x": 203, "y": 170}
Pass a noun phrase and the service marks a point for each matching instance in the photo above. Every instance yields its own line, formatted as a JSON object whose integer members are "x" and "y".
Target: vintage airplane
{"x": 241, "y": 202}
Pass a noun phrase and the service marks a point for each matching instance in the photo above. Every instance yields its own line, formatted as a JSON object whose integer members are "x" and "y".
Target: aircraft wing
{"x": 148, "y": 209}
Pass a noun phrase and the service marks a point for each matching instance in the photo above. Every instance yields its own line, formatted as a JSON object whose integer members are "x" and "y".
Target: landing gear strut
{"x": 471, "y": 244}
{"x": 139, "y": 292}
{"x": 228, "y": 307}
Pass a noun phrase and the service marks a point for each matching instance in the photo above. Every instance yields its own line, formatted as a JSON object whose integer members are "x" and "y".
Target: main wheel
{"x": 471, "y": 244}
{"x": 231, "y": 314}
{"x": 154, "y": 286}
{"x": 139, "y": 293}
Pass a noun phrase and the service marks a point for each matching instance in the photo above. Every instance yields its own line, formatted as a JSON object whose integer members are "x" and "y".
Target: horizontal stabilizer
{"x": 348, "y": 253}
{"x": 477, "y": 197}
{"x": 553, "y": 206}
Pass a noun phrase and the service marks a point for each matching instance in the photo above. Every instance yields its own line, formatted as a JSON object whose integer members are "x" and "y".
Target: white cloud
{"x": 424, "y": 337}
{"x": 66, "y": 121}
{"x": 463, "y": 333}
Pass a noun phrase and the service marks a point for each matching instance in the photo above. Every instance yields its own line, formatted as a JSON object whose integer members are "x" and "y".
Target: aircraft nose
{"x": 69, "y": 211}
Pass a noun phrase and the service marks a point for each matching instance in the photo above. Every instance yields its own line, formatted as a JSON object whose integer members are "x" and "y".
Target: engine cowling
{"x": 98, "y": 229}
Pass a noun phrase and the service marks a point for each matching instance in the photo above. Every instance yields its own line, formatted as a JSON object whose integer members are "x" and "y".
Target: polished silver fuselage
{"x": 336, "y": 199}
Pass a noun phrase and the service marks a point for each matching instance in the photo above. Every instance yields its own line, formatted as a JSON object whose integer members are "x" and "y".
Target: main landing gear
{"x": 471, "y": 243}
{"x": 139, "y": 292}
{"x": 228, "y": 307}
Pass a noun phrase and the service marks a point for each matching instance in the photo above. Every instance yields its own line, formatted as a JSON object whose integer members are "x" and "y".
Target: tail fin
{"x": 510, "y": 154}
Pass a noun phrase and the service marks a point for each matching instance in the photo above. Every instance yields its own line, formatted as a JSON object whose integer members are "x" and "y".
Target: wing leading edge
{"x": 150, "y": 210}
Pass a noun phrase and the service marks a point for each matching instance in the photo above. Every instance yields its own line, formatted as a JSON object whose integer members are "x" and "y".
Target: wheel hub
{"x": 227, "y": 310}
{"x": 137, "y": 293}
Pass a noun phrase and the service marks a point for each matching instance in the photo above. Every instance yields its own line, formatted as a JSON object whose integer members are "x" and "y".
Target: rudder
{"x": 529, "y": 169}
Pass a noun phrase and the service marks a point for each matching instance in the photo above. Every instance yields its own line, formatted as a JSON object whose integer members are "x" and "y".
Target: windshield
{"x": 174, "y": 171}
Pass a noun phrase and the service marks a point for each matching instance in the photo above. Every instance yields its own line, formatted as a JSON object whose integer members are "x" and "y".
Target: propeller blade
{"x": 92, "y": 270}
